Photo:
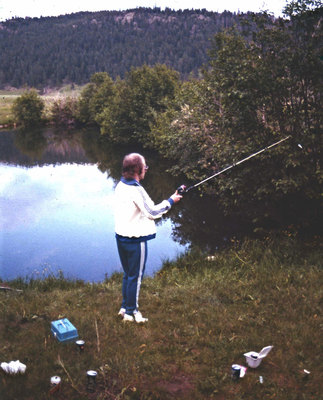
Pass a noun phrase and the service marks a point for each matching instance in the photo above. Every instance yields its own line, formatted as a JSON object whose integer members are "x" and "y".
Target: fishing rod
{"x": 183, "y": 189}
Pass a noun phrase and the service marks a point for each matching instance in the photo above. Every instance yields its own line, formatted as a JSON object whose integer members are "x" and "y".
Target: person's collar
{"x": 132, "y": 182}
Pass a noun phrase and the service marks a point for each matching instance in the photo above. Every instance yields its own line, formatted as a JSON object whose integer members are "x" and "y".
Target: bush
{"x": 63, "y": 111}
{"x": 28, "y": 109}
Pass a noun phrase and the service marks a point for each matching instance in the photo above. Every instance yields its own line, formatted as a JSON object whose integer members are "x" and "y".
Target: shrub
{"x": 28, "y": 109}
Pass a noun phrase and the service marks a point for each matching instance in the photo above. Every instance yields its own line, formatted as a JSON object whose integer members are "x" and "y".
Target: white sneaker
{"x": 128, "y": 318}
{"x": 139, "y": 318}
{"x": 121, "y": 312}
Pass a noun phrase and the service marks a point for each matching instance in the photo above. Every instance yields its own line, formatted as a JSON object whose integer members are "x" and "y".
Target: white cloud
{"x": 37, "y": 8}
{"x": 28, "y": 195}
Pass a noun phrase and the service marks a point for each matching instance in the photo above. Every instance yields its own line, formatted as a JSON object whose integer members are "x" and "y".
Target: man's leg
{"x": 123, "y": 255}
{"x": 133, "y": 257}
{"x": 143, "y": 258}
{"x": 137, "y": 259}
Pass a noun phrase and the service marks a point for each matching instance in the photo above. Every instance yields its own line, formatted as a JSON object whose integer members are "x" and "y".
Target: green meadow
{"x": 7, "y": 98}
{"x": 205, "y": 311}
{"x": 6, "y": 101}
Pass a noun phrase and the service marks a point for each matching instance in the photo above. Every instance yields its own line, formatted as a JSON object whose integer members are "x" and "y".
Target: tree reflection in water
{"x": 197, "y": 220}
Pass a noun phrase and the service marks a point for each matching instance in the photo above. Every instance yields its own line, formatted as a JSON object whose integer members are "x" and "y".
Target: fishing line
{"x": 183, "y": 189}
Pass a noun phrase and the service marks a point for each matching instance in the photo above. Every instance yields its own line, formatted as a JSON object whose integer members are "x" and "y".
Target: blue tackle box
{"x": 63, "y": 330}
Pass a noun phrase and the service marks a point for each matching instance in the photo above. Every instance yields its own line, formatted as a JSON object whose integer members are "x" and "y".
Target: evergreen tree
{"x": 71, "y": 48}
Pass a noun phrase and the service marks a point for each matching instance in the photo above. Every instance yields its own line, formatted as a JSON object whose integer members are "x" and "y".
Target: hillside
{"x": 70, "y": 48}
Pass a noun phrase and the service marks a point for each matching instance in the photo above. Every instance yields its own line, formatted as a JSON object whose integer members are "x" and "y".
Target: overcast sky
{"x": 38, "y": 8}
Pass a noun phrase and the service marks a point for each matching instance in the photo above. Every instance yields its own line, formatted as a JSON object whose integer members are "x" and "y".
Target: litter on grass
{"x": 238, "y": 371}
{"x": 91, "y": 381}
{"x": 55, "y": 384}
{"x": 55, "y": 380}
{"x": 80, "y": 344}
{"x": 306, "y": 374}
{"x": 254, "y": 359}
{"x": 14, "y": 367}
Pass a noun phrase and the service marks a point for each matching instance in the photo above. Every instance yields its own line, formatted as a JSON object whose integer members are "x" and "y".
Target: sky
{"x": 37, "y": 8}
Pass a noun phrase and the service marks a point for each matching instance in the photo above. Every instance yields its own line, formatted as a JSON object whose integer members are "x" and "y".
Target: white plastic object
{"x": 55, "y": 380}
{"x": 254, "y": 359}
{"x": 14, "y": 367}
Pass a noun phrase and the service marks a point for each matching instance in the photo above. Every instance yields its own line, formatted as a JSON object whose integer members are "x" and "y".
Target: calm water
{"x": 56, "y": 193}
{"x": 57, "y": 215}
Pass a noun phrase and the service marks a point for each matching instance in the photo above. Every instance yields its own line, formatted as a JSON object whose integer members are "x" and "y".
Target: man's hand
{"x": 176, "y": 197}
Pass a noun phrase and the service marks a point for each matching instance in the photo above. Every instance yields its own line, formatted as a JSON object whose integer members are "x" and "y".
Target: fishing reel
{"x": 181, "y": 190}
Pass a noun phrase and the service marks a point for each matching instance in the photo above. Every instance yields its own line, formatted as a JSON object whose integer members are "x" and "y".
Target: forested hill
{"x": 70, "y": 48}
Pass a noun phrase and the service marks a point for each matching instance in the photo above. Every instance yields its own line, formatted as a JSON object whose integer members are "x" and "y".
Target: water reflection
{"x": 31, "y": 144}
{"x": 55, "y": 200}
{"x": 59, "y": 215}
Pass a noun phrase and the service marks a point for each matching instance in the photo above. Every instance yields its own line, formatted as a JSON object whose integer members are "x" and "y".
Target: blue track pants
{"x": 133, "y": 256}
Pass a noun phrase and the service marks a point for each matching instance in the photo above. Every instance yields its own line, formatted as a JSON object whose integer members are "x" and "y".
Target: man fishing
{"x": 135, "y": 213}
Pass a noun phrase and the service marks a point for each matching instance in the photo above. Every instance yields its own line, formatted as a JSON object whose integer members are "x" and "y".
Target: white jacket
{"x": 135, "y": 212}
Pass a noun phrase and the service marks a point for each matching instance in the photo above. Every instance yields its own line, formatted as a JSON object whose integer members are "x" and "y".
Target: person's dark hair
{"x": 132, "y": 164}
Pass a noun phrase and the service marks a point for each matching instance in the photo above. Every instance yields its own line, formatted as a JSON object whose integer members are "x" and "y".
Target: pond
{"x": 56, "y": 210}
{"x": 56, "y": 193}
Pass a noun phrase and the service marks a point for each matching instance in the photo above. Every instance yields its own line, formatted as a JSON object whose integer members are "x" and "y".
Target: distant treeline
{"x": 51, "y": 51}
{"x": 252, "y": 92}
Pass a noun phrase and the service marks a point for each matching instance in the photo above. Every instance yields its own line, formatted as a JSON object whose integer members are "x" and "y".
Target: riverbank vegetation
{"x": 52, "y": 99}
{"x": 205, "y": 311}
{"x": 258, "y": 87}
{"x": 7, "y": 98}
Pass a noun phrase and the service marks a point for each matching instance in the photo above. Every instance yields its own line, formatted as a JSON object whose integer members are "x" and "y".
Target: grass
{"x": 7, "y": 98}
{"x": 6, "y": 102}
{"x": 203, "y": 315}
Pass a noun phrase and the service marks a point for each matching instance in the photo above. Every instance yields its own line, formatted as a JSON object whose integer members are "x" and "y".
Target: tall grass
{"x": 204, "y": 313}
